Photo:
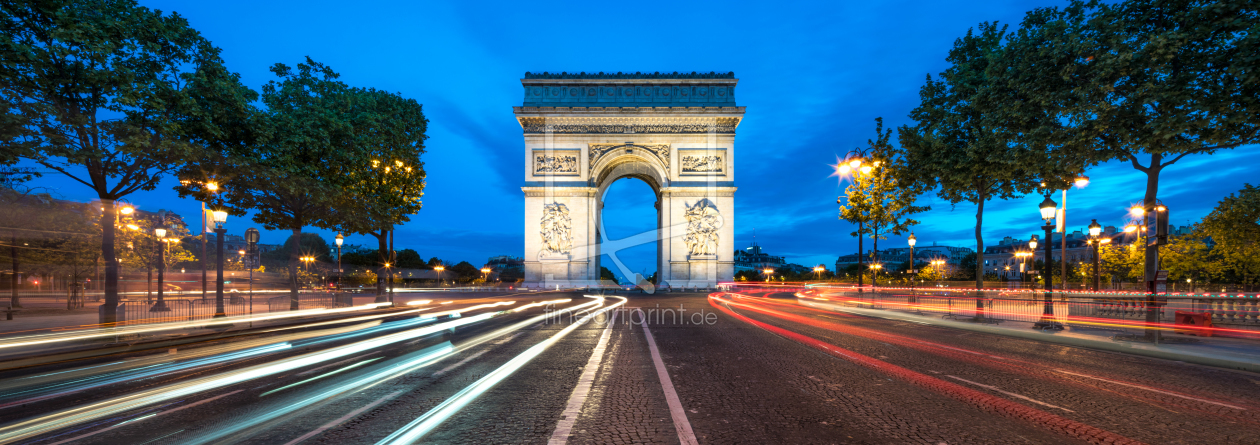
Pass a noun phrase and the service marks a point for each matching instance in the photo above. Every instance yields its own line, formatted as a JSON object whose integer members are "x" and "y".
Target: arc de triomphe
{"x": 676, "y": 132}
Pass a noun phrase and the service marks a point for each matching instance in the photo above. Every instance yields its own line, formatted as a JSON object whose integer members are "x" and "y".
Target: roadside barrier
{"x": 1202, "y": 322}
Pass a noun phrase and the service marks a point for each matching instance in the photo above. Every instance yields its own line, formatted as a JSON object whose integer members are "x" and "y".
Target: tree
{"x": 465, "y": 272}
{"x": 385, "y": 192}
{"x": 876, "y": 199}
{"x": 140, "y": 248}
{"x": 409, "y": 259}
{"x": 605, "y": 274}
{"x": 109, "y": 95}
{"x": 954, "y": 146}
{"x": 1234, "y": 225}
{"x": 1124, "y": 262}
{"x": 290, "y": 176}
{"x": 1147, "y": 81}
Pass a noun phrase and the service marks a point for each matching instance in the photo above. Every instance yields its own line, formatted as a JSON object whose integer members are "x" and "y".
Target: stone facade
{"x": 582, "y": 132}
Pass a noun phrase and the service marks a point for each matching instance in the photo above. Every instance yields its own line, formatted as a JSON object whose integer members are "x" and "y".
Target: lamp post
{"x": 854, "y": 163}
{"x": 1049, "y": 208}
{"x": 768, "y": 272}
{"x": 340, "y": 239}
{"x": 251, "y": 240}
{"x": 1095, "y": 230}
{"x": 818, "y": 272}
{"x": 220, "y": 218}
{"x": 912, "y": 241}
{"x": 439, "y": 268}
{"x": 485, "y": 275}
{"x": 160, "y": 233}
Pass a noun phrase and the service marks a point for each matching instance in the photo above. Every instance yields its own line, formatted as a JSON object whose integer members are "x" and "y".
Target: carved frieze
{"x": 703, "y": 225}
{"x": 556, "y": 230}
{"x": 557, "y": 162}
{"x": 597, "y": 151}
{"x": 630, "y": 129}
{"x": 705, "y": 162}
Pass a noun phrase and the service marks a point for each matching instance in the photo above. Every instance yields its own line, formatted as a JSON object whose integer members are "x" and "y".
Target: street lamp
{"x": 340, "y": 239}
{"x": 818, "y": 272}
{"x": 1095, "y": 230}
{"x": 912, "y": 241}
{"x": 856, "y": 161}
{"x": 1049, "y": 209}
{"x": 160, "y": 233}
{"x": 439, "y": 268}
{"x": 220, "y": 218}
{"x": 768, "y": 272}
{"x": 485, "y": 275}
{"x": 251, "y": 241}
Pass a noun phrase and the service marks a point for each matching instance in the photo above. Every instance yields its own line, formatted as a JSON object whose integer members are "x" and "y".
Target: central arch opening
{"x": 628, "y": 211}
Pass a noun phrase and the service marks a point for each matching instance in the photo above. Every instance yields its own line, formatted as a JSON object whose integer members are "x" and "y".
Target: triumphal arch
{"x": 674, "y": 131}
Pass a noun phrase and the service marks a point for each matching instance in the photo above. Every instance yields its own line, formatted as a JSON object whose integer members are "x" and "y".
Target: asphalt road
{"x": 756, "y": 368}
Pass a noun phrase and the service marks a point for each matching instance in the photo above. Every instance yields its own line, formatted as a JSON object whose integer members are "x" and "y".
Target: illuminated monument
{"x": 676, "y": 132}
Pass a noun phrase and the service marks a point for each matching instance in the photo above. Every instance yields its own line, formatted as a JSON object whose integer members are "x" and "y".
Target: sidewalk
{"x": 1232, "y": 353}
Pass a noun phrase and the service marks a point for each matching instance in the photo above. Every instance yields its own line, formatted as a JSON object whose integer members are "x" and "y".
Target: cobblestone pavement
{"x": 744, "y": 370}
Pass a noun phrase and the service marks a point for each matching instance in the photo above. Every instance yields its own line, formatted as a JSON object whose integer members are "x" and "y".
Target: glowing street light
{"x": 160, "y": 233}
{"x": 220, "y": 219}
{"x": 1048, "y": 209}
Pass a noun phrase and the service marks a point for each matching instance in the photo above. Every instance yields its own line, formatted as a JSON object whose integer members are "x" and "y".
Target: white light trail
{"x": 61, "y": 419}
{"x": 38, "y": 339}
{"x": 421, "y": 426}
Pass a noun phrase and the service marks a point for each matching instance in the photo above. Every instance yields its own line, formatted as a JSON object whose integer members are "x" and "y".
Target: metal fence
{"x": 310, "y": 301}
{"x": 174, "y": 310}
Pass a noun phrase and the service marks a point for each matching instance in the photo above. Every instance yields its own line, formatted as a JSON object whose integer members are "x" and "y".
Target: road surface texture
{"x": 752, "y": 367}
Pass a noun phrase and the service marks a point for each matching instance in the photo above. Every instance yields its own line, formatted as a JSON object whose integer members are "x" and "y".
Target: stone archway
{"x": 673, "y": 131}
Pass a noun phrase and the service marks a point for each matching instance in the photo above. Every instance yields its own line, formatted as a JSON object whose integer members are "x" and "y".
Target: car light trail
{"x": 379, "y": 377}
{"x": 981, "y": 400}
{"x": 327, "y": 374}
{"x": 418, "y": 302}
{"x": 422, "y": 425}
{"x": 128, "y": 330}
{"x": 50, "y": 422}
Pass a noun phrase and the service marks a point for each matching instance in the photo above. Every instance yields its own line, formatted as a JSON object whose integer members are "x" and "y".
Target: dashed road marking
{"x": 568, "y": 418}
{"x": 685, "y": 435}
{"x": 1018, "y": 396}
{"x": 460, "y": 363}
{"x": 1150, "y": 389}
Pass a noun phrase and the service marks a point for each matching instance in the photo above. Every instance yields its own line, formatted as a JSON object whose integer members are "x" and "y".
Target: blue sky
{"x": 813, "y": 77}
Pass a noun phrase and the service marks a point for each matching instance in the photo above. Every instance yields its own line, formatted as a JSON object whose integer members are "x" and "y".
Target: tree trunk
{"x": 15, "y": 301}
{"x": 874, "y": 253}
{"x": 393, "y": 261}
{"x": 293, "y": 268}
{"x": 861, "y": 272}
{"x": 108, "y": 217}
{"x": 980, "y": 198}
{"x": 979, "y": 245}
{"x": 1152, "y": 252}
{"x": 382, "y": 249}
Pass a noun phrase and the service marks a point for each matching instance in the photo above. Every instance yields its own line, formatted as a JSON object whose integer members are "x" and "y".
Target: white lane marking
{"x": 995, "y": 389}
{"x": 300, "y": 374}
{"x": 72, "y": 439}
{"x": 345, "y": 417}
{"x": 685, "y": 435}
{"x": 506, "y": 339}
{"x": 460, "y": 363}
{"x": 583, "y": 389}
{"x": 1151, "y": 389}
{"x": 421, "y": 426}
